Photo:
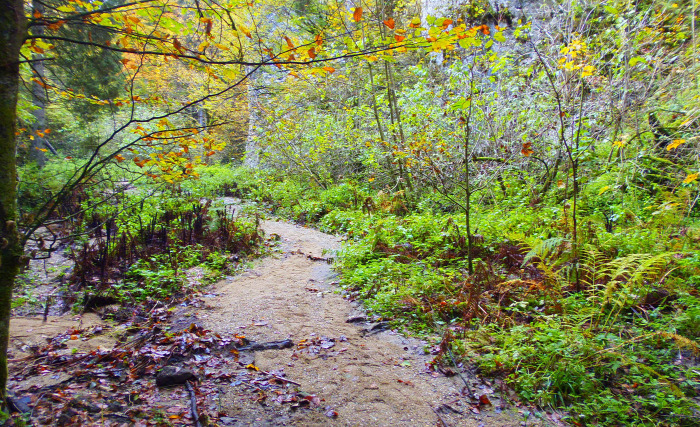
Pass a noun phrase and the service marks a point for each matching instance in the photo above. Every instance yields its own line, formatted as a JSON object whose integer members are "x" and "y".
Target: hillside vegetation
{"x": 517, "y": 185}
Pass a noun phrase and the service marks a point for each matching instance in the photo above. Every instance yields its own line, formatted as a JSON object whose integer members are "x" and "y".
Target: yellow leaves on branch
{"x": 574, "y": 56}
{"x": 690, "y": 178}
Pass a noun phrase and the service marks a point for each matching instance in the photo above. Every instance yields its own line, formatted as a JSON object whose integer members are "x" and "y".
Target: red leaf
{"x": 390, "y": 23}
{"x": 484, "y": 400}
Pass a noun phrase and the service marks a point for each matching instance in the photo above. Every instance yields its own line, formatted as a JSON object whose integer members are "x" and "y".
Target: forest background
{"x": 517, "y": 181}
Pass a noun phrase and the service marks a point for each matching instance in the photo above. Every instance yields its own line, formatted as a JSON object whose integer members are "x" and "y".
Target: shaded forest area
{"x": 516, "y": 183}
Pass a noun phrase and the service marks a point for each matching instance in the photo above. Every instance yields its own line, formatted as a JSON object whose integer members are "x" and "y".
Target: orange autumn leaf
{"x": 56, "y": 25}
{"x": 446, "y": 22}
{"x": 329, "y": 69}
{"x": 357, "y": 14}
{"x": 399, "y": 38}
{"x": 289, "y": 42}
{"x": 527, "y": 149}
{"x": 119, "y": 158}
{"x": 390, "y": 23}
{"x": 319, "y": 40}
{"x": 312, "y": 53}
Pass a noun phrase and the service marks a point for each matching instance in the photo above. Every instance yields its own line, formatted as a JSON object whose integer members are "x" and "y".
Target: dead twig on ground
{"x": 193, "y": 405}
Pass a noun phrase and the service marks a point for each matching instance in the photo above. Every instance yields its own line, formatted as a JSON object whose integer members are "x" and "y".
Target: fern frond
{"x": 545, "y": 248}
{"x": 629, "y": 275}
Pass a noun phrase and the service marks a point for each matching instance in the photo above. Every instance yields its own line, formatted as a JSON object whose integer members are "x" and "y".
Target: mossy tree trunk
{"x": 12, "y": 34}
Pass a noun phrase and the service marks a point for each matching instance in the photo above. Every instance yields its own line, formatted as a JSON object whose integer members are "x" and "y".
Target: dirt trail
{"x": 368, "y": 379}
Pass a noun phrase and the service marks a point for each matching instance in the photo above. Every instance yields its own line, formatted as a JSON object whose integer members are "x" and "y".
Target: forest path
{"x": 376, "y": 379}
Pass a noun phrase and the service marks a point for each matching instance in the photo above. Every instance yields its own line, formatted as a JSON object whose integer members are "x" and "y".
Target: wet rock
{"x": 374, "y": 328}
{"x": 17, "y": 403}
{"x": 246, "y": 357}
{"x": 356, "y": 318}
{"x": 173, "y": 375}
{"x": 272, "y": 345}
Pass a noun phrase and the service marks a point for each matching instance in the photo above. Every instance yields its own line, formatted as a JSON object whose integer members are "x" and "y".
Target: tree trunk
{"x": 12, "y": 34}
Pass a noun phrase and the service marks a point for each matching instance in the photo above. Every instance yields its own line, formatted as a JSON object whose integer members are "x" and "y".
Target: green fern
{"x": 544, "y": 249}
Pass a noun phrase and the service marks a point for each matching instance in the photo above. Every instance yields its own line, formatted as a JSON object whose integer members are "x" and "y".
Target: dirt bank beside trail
{"x": 377, "y": 379}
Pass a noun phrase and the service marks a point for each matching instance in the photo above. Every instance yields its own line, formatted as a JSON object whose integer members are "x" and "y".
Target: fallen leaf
{"x": 675, "y": 144}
